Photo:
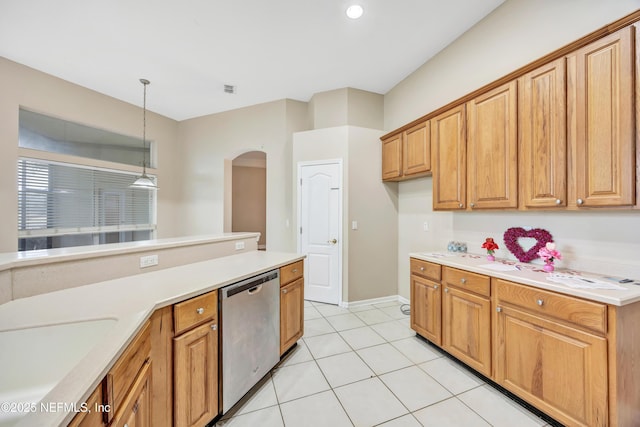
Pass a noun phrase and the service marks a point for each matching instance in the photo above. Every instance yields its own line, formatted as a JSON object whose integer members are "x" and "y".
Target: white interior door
{"x": 320, "y": 213}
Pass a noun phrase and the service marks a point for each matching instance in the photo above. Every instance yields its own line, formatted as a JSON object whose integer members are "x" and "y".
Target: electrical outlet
{"x": 148, "y": 261}
{"x": 354, "y": 225}
{"x": 239, "y": 246}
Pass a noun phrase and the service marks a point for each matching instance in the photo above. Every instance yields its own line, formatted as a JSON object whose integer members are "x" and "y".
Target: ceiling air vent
{"x": 229, "y": 89}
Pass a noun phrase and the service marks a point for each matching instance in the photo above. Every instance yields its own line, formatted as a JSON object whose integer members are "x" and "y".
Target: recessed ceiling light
{"x": 355, "y": 11}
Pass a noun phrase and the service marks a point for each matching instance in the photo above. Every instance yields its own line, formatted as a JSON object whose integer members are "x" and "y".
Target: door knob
{"x": 580, "y": 201}
{"x": 333, "y": 241}
{"x": 200, "y": 310}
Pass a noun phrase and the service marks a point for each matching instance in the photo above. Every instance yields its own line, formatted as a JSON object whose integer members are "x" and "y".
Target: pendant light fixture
{"x": 144, "y": 181}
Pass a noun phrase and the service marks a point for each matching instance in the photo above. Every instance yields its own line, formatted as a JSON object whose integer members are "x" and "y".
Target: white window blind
{"x": 56, "y": 199}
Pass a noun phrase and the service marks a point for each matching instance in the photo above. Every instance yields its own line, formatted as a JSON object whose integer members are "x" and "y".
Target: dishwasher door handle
{"x": 255, "y": 290}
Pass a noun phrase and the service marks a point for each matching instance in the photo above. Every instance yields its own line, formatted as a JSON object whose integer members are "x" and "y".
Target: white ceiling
{"x": 269, "y": 49}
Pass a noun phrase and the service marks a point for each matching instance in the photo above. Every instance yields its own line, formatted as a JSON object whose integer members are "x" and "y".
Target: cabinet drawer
{"x": 291, "y": 272}
{"x": 425, "y": 269}
{"x": 121, "y": 377}
{"x": 585, "y": 314}
{"x": 468, "y": 281}
{"x": 190, "y": 313}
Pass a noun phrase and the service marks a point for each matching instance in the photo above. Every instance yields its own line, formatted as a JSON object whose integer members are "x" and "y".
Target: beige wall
{"x": 347, "y": 106}
{"x": 515, "y": 34}
{"x": 367, "y": 272}
{"x": 249, "y": 203}
{"x": 34, "y": 279}
{"x": 210, "y": 140}
{"x": 22, "y": 86}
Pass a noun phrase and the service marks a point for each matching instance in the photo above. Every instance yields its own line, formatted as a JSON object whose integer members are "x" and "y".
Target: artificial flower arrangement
{"x": 490, "y": 246}
{"x": 512, "y": 235}
{"x": 549, "y": 254}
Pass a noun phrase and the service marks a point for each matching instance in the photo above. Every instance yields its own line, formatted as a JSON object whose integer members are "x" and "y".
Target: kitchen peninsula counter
{"x": 130, "y": 301}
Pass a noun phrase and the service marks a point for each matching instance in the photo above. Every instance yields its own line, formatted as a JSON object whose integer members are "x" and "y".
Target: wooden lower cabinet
{"x": 291, "y": 304}
{"x": 559, "y": 369}
{"x": 574, "y": 359}
{"x": 196, "y": 376}
{"x": 291, "y": 314}
{"x": 426, "y": 303}
{"x": 466, "y": 325}
{"x": 135, "y": 410}
{"x": 94, "y": 417}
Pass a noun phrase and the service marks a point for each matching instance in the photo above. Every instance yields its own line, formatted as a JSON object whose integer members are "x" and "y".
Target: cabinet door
{"x": 542, "y": 130}
{"x": 449, "y": 159}
{"x": 196, "y": 376}
{"x": 291, "y": 314}
{"x": 416, "y": 150}
{"x": 466, "y": 326}
{"x": 426, "y": 304}
{"x": 392, "y": 158}
{"x": 136, "y": 406}
{"x": 561, "y": 370}
{"x": 94, "y": 417}
{"x": 492, "y": 144}
{"x": 601, "y": 116}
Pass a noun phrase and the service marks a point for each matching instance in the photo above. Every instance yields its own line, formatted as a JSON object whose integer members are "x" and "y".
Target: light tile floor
{"x": 365, "y": 367}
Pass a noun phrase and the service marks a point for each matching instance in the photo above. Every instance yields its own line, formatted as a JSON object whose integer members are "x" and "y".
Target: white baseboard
{"x": 391, "y": 298}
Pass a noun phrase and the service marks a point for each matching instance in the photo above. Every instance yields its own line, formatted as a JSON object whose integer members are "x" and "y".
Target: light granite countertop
{"x": 45, "y": 256}
{"x": 130, "y": 301}
{"x": 532, "y": 274}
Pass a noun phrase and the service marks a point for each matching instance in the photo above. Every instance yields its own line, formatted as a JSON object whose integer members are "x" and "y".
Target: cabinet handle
{"x": 460, "y": 205}
{"x": 463, "y": 280}
{"x": 435, "y": 286}
{"x": 284, "y": 291}
{"x": 214, "y": 327}
{"x": 540, "y": 302}
{"x": 294, "y": 271}
{"x": 446, "y": 289}
{"x": 499, "y": 309}
{"x": 200, "y": 310}
{"x": 135, "y": 409}
{"x": 421, "y": 268}
{"x": 580, "y": 201}
{"x": 558, "y": 202}
{"x": 473, "y": 205}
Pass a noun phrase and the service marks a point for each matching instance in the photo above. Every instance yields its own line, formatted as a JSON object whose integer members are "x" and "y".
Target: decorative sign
{"x": 512, "y": 240}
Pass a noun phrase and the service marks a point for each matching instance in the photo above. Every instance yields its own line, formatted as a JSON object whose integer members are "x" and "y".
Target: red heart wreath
{"x": 512, "y": 235}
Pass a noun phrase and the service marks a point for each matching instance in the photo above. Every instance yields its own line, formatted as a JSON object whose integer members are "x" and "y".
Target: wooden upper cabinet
{"x": 449, "y": 156}
{"x": 600, "y": 100}
{"x": 542, "y": 133}
{"x": 392, "y": 158}
{"x": 416, "y": 150}
{"x": 492, "y": 145}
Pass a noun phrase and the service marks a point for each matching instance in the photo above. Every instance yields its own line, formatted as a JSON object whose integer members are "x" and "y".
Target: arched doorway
{"x": 249, "y": 194}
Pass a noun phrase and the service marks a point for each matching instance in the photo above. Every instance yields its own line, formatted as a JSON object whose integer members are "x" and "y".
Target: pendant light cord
{"x": 145, "y": 82}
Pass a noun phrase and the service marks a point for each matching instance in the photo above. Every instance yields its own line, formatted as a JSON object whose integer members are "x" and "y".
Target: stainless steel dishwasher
{"x": 250, "y": 336}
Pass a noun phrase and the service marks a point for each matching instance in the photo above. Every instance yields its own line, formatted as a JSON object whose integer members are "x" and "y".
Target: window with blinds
{"x": 63, "y": 205}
